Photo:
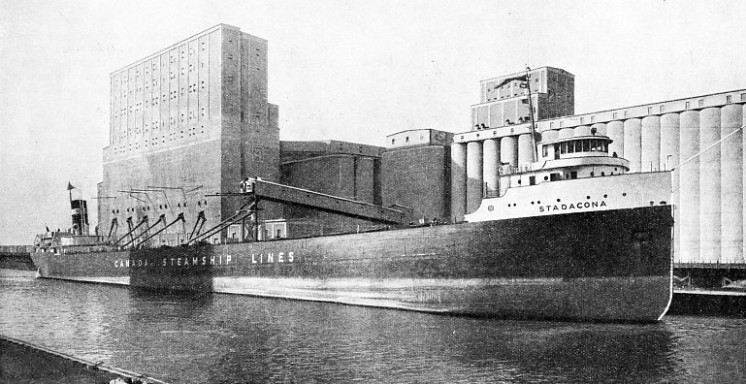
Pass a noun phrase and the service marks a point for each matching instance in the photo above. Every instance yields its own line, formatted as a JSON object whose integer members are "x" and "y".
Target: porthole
{"x": 605, "y": 196}
{"x": 532, "y": 203}
{"x": 490, "y": 208}
{"x": 624, "y": 194}
{"x": 588, "y": 197}
{"x": 546, "y": 178}
{"x": 558, "y": 200}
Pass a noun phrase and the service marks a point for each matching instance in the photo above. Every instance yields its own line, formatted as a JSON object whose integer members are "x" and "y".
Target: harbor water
{"x": 214, "y": 338}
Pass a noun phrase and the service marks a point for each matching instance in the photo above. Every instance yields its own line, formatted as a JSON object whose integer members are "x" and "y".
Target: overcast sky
{"x": 344, "y": 70}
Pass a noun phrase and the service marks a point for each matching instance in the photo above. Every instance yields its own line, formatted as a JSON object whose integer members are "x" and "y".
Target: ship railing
{"x": 489, "y": 194}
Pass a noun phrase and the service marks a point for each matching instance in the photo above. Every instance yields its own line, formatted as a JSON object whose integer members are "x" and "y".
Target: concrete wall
{"x": 418, "y": 178}
{"x": 186, "y": 122}
{"x": 343, "y": 175}
{"x": 458, "y": 182}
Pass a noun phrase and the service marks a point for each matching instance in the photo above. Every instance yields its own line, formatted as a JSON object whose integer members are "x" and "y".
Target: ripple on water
{"x": 227, "y": 339}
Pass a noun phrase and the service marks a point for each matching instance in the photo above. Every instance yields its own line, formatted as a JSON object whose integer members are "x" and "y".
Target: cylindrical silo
{"x": 743, "y": 257}
{"x": 582, "y": 130}
{"x": 669, "y": 158}
{"x": 509, "y": 151}
{"x": 491, "y": 164}
{"x": 743, "y": 122}
{"x": 689, "y": 187}
{"x": 632, "y": 148}
{"x": 474, "y": 184}
{"x": 650, "y": 140}
{"x": 600, "y": 128}
{"x": 669, "y": 150}
{"x": 525, "y": 150}
{"x": 709, "y": 185}
{"x": 731, "y": 184}
{"x": 615, "y": 131}
{"x": 458, "y": 181}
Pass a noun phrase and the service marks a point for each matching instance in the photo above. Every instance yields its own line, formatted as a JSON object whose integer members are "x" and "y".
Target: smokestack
{"x": 79, "y": 210}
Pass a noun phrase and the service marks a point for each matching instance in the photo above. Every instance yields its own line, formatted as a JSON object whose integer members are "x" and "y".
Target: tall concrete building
{"x": 504, "y": 100}
{"x": 187, "y": 122}
{"x": 700, "y": 138}
{"x": 416, "y": 174}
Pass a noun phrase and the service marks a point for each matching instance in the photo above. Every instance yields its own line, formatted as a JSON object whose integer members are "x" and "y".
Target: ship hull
{"x": 590, "y": 266}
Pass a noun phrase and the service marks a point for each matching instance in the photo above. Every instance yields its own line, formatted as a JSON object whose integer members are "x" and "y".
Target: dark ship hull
{"x": 593, "y": 266}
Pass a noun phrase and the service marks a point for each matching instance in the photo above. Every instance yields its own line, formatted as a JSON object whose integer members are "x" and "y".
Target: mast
{"x": 531, "y": 114}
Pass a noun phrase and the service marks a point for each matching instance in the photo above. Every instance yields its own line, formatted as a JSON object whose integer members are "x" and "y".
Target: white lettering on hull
{"x": 193, "y": 261}
{"x": 572, "y": 206}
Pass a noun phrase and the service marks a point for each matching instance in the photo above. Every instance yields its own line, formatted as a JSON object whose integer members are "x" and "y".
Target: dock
{"x": 24, "y": 362}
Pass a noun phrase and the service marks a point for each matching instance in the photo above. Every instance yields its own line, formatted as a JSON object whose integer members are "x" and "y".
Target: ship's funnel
{"x": 79, "y": 212}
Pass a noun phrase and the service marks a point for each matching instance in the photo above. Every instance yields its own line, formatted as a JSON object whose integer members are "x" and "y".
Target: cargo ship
{"x": 571, "y": 236}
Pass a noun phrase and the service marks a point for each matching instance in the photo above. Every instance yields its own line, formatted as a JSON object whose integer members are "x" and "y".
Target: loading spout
{"x": 112, "y": 228}
{"x": 132, "y": 230}
{"x": 163, "y": 218}
{"x": 145, "y": 219}
{"x": 240, "y": 215}
{"x": 198, "y": 225}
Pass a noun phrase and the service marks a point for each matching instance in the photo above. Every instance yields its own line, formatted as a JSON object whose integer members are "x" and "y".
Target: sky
{"x": 339, "y": 70}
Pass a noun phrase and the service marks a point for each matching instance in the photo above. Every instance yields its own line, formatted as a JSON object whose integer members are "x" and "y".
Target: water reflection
{"x": 207, "y": 338}
{"x": 219, "y": 338}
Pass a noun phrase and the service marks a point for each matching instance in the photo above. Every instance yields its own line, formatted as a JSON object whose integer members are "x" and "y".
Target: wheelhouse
{"x": 576, "y": 147}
